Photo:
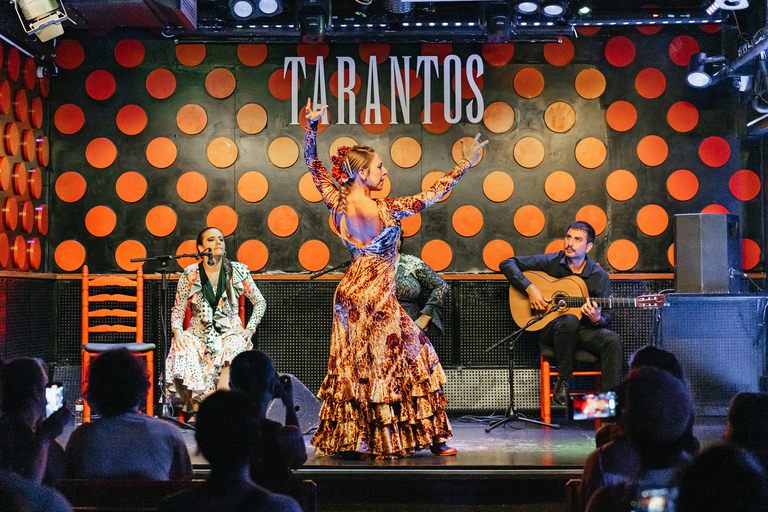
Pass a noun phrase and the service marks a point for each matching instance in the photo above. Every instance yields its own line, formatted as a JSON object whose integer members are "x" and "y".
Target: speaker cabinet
{"x": 707, "y": 253}
{"x": 306, "y": 403}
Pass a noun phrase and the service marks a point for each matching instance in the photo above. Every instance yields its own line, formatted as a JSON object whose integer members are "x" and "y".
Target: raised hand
{"x": 472, "y": 153}
{"x": 314, "y": 115}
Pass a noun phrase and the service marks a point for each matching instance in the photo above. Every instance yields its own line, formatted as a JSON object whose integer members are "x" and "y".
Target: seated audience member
{"x": 281, "y": 448}
{"x": 28, "y": 443}
{"x": 658, "y": 419}
{"x": 722, "y": 478}
{"x": 123, "y": 443}
{"x": 19, "y": 494}
{"x": 227, "y": 435}
{"x": 748, "y": 424}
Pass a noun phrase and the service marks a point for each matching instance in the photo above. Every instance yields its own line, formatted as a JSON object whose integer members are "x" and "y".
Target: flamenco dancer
{"x": 383, "y": 393}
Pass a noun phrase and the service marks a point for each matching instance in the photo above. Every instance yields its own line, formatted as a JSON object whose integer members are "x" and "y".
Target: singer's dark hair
{"x": 586, "y": 227}
{"x": 226, "y": 267}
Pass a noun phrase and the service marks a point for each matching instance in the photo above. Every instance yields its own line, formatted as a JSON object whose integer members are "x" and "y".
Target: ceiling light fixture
{"x": 43, "y": 17}
{"x": 526, "y": 7}
{"x": 698, "y": 75}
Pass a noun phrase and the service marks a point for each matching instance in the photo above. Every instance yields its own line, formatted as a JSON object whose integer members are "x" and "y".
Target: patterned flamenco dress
{"x": 383, "y": 391}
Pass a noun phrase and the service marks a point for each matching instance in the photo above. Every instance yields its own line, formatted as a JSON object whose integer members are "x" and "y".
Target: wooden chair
{"x": 129, "y": 301}
{"x": 572, "y": 495}
{"x": 547, "y": 361}
{"x": 120, "y": 495}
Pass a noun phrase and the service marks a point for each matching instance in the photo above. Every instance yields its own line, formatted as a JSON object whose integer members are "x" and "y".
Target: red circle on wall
{"x": 682, "y": 116}
{"x": 5, "y": 250}
{"x": 495, "y": 252}
{"x": 21, "y": 106}
{"x": 311, "y": 52}
{"x": 715, "y": 208}
{"x": 280, "y": 86}
{"x": 380, "y": 50}
{"x": 69, "y": 54}
{"x": 621, "y": 116}
{"x": 622, "y": 255}
{"x": 190, "y": 55}
{"x": 36, "y": 113}
{"x": 12, "y": 138}
{"x": 414, "y": 82}
{"x": 750, "y": 254}
{"x": 372, "y": 127}
{"x": 439, "y": 50}
{"x": 283, "y": 221}
{"x": 70, "y": 187}
{"x": 100, "y": 85}
{"x": 528, "y": 83}
{"x": 498, "y": 54}
{"x": 20, "y": 178}
{"x": 254, "y": 254}
{"x": 41, "y": 219}
{"x": 650, "y": 83}
{"x": 594, "y": 216}
{"x": 128, "y": 250}
{"x": 220, "y": 83}
{"x": 101, "y": 153}
{"x": 129, "y": 53}
{"x": 314, "y": 255}
{"x": 27, "y": 216}
{"x": 347, "y": 79}
{"x": 69, "y": 255}
{"x": 714, "y": 151}
{"x": 14, "y": 64}
{"x": 161, "y": 83}
{"x": 652, "y": 220}
{"x": 559, "y": 54}
{"x": 682, "y": 185}
{"x": 161, "y": 221}
{"x": 5, "y": 173}
{"x": 30, "y": 73}
{"x": 438, "y": 123}
{"x": 466, "y": 91}
{"x": 744, "y": 185}
{"x": 34, "y": 253}
{"x": 252, "y": 54}
{"x": 28, "y": 145}
{"x": 43, "y": 151}
{"x": 437, "y": 254}
{"x": 161, "y": 152}
{"x": 131, "y": 119}
{"x": 224, "y": 218}
{"x": 621, "y": 185}
{"x": 5, "y": 97}
{"x": 69, "y": 119}
{"x": 11, "y": 213}
{"x": 35, "y": 183}
{"x": 652, "y": 150}
{"x": 131, "y": 186}
{"x": 620, "y": 51}
{"x": 19, "y": 251}
{"x": 681, "y": 48}
{"x": 100, "y": 221}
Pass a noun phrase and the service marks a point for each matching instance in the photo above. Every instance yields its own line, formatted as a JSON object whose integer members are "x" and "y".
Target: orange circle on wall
{"x": 283, "y": 152}
{"x": 559, "y": 54}
{"x": 21, "y": 106}
{"x": 161, "y": 152}
{"x": 622, "y": 255}
{"x": 529, "y": 220}
{"x": 560, "y": 186}
{"x": 69, "y": 54}
{"x": 411, "y": 224}
{"x": 222, "y": 152}
{"x": 528, "y": 83}
{"x": 5, "y": 250}
{"x": 280, "y": 86}
{"x": 12, "y": 138}
{"x": 466, "y": 90}
{"x": 405, "y": 152}
{"x": 649, "y": 30}
{"x": 5, "y": 97}
{"x": 36, "y": 113}
{"x": 750, "y": 254}
{"x": 191, "y": 119}
{"x": 529, "y": 152}
{"x": 715, "y": 208}
{"x": 714, "y": 151}
{"x": 35, "y": 183}
{"x": 437, "y": 254}
{"x": 620, "y": 51}
{"x": 467, "y": 221}
{"x": 621, "y": 185}
{"x": 650, "y": 83}
{"x": 594, "y": 216}
{"x": 308, "y": 190}
{"x": 190, "y": 55}
{"x": 69, "y": 255}
{"x": 499, "y": 117}
{"x": 34, "y": 253}
{"x": 161, "y": 83}
{"x": 314, "y": 255}
{"x": 744, "y": 185}
{"x": 11, "y": 213}
{"x": 430, "y": 179}
{"x": 161, "y": 221}
{"x": 254, "y": 254}
{"x": 652, "y": 220}
{"x": 41, "y": 219}
{"x": 129, "y": 53}
{"x": 251, "y": 118}
{"x": 43, "y": 151}
{"x": 559, "y": 117}
{"x": 437, "y": 124}
{"x": 27, "y": 216}
{"x": 131, "y": 120}
{"x": 652, "y": 150}
{"x": 498, "y": 186}
{"x": 372, "y": 126}
{"x": 456, "y": 151}
{"x": 621, "y": 116}
{"x": 671, "y": 255}
{"x": 283, "y": 221}
{"x": 20, "y": 178}
{"x": 28, "y": 145}
{"x": 347, "y": 80}
{"x": 128, "y": 250}
{"x": 682, "y": 116}
{"x": 224, "y": 218}
{"x": 682, "y": 48}
{"x": 191, "y": 186}
{"x": 252, "y": 54}
{"x": 252, "y": 186}
{"x": 45, "y": 86}
{"x": 70, "y": 187}
{"x": 187, "y": 247}
{"x": 380, "y": 50}
{"x": 101, "y": 153}
{"x": 100, "y": 221}
{"x": 590, "y": 83}
{"x": 100, "y": 85}
{"x": 30, "y": 73}
{"x": 220, "y": 83}
{"x": 590, "y": 152}
{"x": 14, "y": 64}
{"x": 68, "y": 119}
{"x": 682, "y": 185}
{"x": 498, "y": 54}
{"x": 131, "y": 186}
{"x": 554, "y": 246}
{"x": 5, "y": 173}
{"x": 495, "y": 252}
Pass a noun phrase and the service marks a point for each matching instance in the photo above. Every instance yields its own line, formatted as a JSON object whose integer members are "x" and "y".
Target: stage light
{"x": 698, "y": 75}
{"x": 312, "y": 19}
{"x": 526, "y": 7}
{"x": 584, "y": 8}
{"x": 43, "y": 17}
{"x": 553, "y": 9}
{"x": 242, "y": 10}
{"x": 498, "y": 23}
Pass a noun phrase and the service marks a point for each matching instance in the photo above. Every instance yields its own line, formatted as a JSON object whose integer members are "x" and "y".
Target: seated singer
{"x": 212, "y": 290}
{"x": 567, "y": 333}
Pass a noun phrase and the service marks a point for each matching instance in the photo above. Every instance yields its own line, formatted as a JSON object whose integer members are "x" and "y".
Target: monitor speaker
{"x": 306, "y": 403}
{"x": 708, "y": 253}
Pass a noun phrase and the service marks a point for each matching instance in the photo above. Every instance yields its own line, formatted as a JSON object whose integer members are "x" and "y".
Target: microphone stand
{"x": 511, "y": 414}
{"x": 325, "y": 271}
{"x": 163, "y": 412}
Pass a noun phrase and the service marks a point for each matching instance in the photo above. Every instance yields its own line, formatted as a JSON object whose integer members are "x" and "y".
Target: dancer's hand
{"x": 472, "y": 153}
{"x": 314, "y": 116}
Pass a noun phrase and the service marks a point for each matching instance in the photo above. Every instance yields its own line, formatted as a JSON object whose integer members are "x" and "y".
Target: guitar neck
{"x": 603, "y": 302}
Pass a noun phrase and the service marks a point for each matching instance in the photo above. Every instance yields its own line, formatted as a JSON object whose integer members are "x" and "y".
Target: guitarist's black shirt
{"x": 555, "y": 264}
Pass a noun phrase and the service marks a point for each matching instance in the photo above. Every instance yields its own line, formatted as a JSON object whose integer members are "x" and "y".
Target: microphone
{"x": 560, "y": 305}
{"x": 209, "y": 254}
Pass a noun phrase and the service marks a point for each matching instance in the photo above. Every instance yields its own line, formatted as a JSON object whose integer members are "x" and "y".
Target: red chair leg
{"x": 546, "y": 407}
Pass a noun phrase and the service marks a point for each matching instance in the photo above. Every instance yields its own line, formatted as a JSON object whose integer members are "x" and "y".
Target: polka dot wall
{"x": 24, "y": 160}
{"x": 151, "y": 141}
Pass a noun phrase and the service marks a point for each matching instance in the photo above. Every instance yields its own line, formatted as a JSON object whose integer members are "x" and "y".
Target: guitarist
{"x": 567, "y": 333}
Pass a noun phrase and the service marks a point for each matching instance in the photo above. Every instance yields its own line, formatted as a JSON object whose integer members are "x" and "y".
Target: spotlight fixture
{"x": 553, "y": 9}
{"x": 526, "y": 7}
{"x": 314, "y": 17}
{"x": 698, "y": 76}
{"x": 498, "y": 23}
{"x": 584, "y": 8}
{"x": 43, "y": 17}
{"x": 242, "y": 10}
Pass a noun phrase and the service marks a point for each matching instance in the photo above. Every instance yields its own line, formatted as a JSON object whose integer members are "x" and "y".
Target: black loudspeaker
{"x": 707, "y": 253}
{"x": 306, "y": 403}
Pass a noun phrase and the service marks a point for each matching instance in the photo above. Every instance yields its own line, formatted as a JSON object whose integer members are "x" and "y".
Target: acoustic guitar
{"x": 566, "y": 296}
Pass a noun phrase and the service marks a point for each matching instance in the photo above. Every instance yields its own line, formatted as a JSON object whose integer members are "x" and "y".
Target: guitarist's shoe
{"x": 560, "y": 396}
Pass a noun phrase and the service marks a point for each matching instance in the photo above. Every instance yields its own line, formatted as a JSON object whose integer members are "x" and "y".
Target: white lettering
{"x": 475, "y": 60}
{"x": 456, "y": 117}
{"x": 398, "y": 90}
{"x": 430, "y": 59}
{"x": 320, "y": 97}
{"x": 293, "y": 63}
{"x": 345, "y": 91}
{"x": 372, "y": 101}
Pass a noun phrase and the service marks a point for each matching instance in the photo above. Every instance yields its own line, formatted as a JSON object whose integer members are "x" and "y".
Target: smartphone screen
{"x": 655, "y": 500}
{"x": 54, "y": 397}
{"x": 589, "y": 407}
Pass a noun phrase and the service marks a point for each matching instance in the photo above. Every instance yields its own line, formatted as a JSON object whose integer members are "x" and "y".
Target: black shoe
{"x": 560, "y": 396}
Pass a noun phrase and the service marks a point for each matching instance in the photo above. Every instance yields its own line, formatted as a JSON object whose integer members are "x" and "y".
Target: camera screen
{"x": 588, "y": 407}
{"x": 54, "y": 398}
{"x": 656, "y": 500}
